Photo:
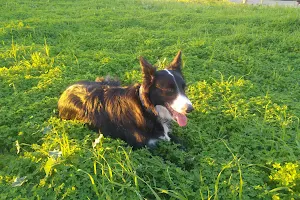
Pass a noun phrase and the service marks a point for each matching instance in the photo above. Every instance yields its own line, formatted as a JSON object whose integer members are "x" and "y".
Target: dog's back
{"x": 115, "y": 111}
{"x": 83, "y": 97}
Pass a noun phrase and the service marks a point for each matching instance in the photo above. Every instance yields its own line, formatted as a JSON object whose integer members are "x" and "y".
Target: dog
{"x": 139, "y": 114}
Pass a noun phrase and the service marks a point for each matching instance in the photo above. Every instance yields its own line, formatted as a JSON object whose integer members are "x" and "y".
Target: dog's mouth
{"x": 180, "y": 118}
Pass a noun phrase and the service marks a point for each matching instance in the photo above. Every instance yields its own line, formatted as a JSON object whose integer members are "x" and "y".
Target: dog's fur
{"x": 139, "y": 114}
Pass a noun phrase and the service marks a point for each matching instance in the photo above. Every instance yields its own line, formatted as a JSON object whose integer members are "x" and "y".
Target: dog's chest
{"x": 164, "y": 119}
{"x": 166, "y": 130}
{"x": 166, "y": 127}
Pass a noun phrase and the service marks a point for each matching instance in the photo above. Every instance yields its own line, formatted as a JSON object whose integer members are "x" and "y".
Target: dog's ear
{"x": 148, "y": 77}
{"x": 176, "y": 63}
{"x": 148, "y": 72}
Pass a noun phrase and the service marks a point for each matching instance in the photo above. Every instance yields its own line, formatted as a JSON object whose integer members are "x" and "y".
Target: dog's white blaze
{"x": 173, "y": 78}
{"x": 180, "y": 103}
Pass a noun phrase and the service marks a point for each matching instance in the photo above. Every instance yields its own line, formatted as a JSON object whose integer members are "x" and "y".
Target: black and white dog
{"x": 139, "y": 114}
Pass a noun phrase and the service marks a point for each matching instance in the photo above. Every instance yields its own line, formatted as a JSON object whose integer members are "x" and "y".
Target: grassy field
{"x": 242, "y": 65}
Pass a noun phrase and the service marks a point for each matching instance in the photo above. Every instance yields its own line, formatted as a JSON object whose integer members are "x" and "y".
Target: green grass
{"x": 242, "y": 67}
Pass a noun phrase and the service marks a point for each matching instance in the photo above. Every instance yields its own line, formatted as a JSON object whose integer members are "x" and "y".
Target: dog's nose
{"x": 189, "y": 109}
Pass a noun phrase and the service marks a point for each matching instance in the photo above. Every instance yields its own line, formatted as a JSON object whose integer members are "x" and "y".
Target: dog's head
{"x": 163, "y": 91}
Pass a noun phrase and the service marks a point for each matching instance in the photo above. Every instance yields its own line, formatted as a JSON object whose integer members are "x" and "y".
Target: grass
{"x": 242, "y": 67}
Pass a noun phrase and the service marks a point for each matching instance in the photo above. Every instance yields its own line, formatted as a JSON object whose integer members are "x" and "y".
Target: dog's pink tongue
{"x": 181, "y": 119}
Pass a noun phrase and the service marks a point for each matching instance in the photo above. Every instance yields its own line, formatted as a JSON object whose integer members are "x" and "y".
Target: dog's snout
{"x": 190, "y": 108}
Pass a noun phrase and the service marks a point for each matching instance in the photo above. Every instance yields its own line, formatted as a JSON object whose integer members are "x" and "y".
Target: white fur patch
{"x": 166, "y": 132}
{"x": 180, "y": 103}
